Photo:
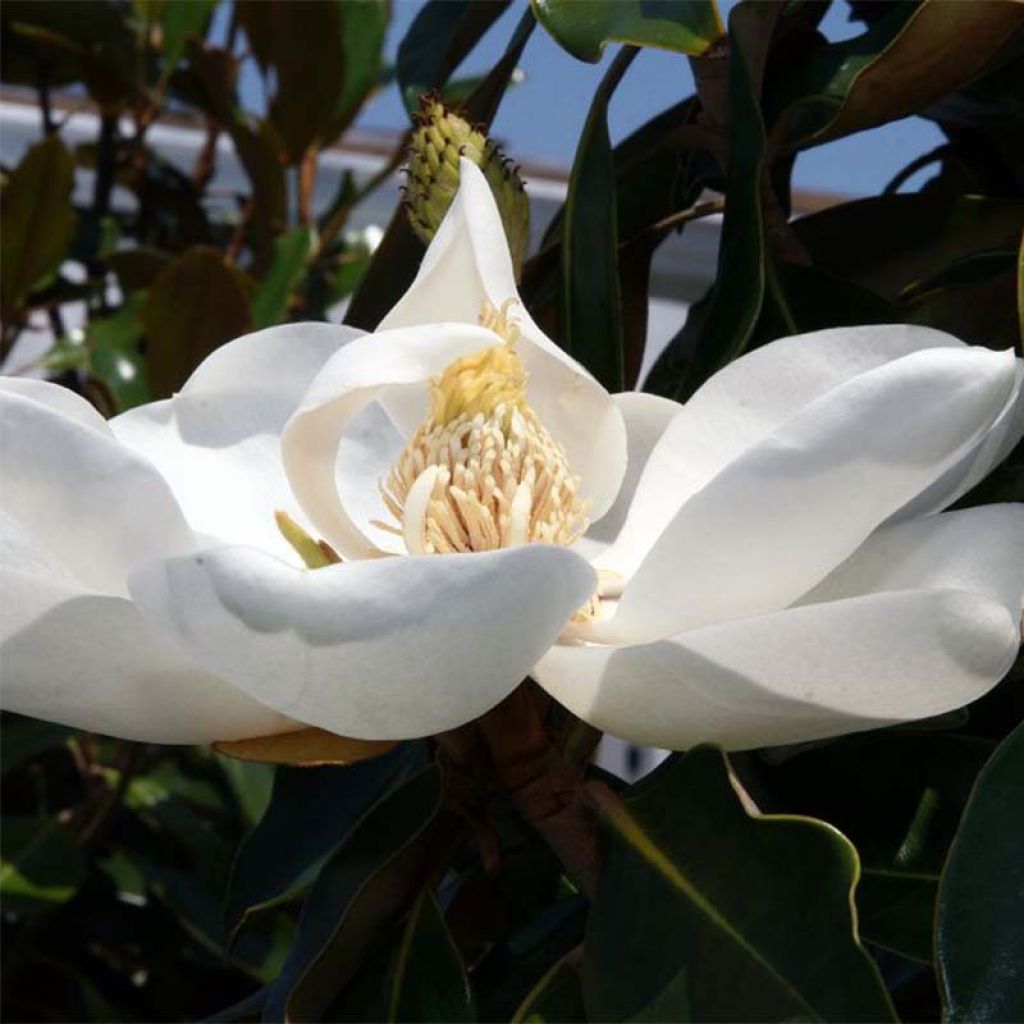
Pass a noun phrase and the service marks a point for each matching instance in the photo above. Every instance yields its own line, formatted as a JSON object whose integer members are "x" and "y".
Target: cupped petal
{"x": 923, "y": 618}
{"x": 983, "y": 456}
{"x": 91, "y": 661}
{"x": 90, "y": 502}
{"x": 217, "y": 441}
{"x": 468, "y": 265}
{"x": 646, "y": 418}
{"x": 382, "y": 649}
{"x": 786, "y": 512}
{"x": 743, "y": 404}
{"x": 355, "y": 377}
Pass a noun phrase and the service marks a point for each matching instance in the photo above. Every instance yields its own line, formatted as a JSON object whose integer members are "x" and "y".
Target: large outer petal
{"x": 382, "y": 649}
{"x": 923, "y": 619}
{"x": 468, "y": 264}
{"x": 218, "y": 440}
{"x": 89, "y": 502}
{"x": 787, "y": 511}
{"x": 743, "y": 404}
{"x": 350, "y": 381}
{"x": 93, "y": 662}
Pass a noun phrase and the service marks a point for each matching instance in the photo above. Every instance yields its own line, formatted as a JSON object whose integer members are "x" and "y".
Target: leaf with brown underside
{"x": 304, "y": 748}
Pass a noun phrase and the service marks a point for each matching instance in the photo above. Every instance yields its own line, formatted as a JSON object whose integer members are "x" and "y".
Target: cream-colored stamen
{"x": 483, "y": 472}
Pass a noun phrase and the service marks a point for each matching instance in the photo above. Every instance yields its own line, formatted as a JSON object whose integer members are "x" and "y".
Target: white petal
{"x": 93, "y": 662}
{"x": 780, "y": 517}
{"x": 468, "y": 264}
{"x": 922, "y": 619}
{"x": 90, "y": 502}
{"x": 646, "y": 418}
{"x": 980, "y": 550}
{"x": 350, "y": 381}
{"x": 58, "y": 398}
{"x": 744, "y": 403}
{"x": 802, "y": 674}
{"x": 383, "y": 649}
{"x": 218, "y": 440}
{"x": 978, "y": 462}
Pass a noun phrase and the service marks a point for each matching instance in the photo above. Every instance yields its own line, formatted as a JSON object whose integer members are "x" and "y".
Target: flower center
{"x": 482, "y": 472}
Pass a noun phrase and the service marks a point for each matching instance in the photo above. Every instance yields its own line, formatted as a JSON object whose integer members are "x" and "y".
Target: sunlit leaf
{"x": 583, "y": 27}
{"x": 720, "y": 891}
{"x": 291, "y": 253}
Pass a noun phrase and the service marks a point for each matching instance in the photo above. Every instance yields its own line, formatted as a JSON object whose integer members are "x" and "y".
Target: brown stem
{"x": 545, "y": 788}
{"x": 128, "y": 760}
{"x": 307, "y": 181}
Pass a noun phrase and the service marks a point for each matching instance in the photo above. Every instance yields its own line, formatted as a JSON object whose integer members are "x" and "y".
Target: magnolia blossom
{"x": 767, "y": 563}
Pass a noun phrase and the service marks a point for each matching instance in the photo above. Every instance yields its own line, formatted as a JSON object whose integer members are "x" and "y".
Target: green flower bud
{"x": 441, "y": 137}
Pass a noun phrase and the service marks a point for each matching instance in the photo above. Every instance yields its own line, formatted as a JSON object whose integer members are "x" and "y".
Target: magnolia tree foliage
{"x": 794, "y": 556}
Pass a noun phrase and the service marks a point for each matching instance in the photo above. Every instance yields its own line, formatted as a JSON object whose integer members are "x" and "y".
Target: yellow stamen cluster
{"x": 483, "y": 472}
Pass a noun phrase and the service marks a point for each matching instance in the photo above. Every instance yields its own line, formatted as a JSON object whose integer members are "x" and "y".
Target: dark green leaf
{"x": 137, "y": 268}
{"x": 363, "y": 25}
{"x": 887, "y": 242}
{"x": 729, "y": 321}
{"x": 582, "y": 27}
{"x": 905, "y": 62}
{"x": 284, "y": 851}
{"x": 291, "y": 252}
{"x": 38, "y": 220}
{"x": 181, "y": 20}
{"x": 591, "y": 313}
{"x": 557, "y": 997}
{"x": 429, "y": 982}
{"x": 114, "y": 354}
{"x": 26, "y": 737}
{"x": 302, "y": 46}
{"x": 441, "y": 35}
{"x": 362, "y": 891}
{"x": 721, "y": 892}
{"x": 42, "y": 865}
{"x": 194, "y": 306}
{"x": 899, "y": 797}
{"x": 981, "y": 900}
{"x": 671, "y": 1003}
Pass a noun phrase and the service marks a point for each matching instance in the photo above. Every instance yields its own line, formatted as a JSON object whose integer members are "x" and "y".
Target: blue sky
{"x": 540, "y": 120}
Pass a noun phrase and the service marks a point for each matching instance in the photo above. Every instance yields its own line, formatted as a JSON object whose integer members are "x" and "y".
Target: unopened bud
{"x": 441, "y": 137}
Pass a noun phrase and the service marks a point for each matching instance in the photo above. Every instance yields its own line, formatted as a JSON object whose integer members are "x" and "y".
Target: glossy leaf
{"x": 363, "y": 26}
{"x": 284, "y": 851}
{"x": 904, "y": 63}
{"x": 888, "y": 242}
{"x": 362, "y": 891}
{"x": 195, "y": 305}
{"x": 291, "y": 253}
{"x": 429, "y": 981}
{"x": 28, "y": 737}
{"x": 138, "y": 267}
{"x": 981, "y": 899}
{"x": 591, "y": 313}
{"x": 720, "y": 891}
{"x": 730, "y": 318}
{"x": 583, "y": 27}
{"x": 38, "y": 220}
{"x": 899, "y": 797}
{"x": 441, "y": 35}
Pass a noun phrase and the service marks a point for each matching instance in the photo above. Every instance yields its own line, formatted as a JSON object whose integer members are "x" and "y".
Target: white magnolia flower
{"x": 763, "y": 565}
